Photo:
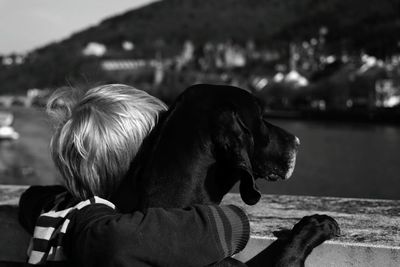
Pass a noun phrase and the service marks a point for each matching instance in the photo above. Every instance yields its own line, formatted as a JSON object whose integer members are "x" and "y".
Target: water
{"x": 27, "y": 160}
{"x": 335, "y": 159}
{"x": 342, "y": 159}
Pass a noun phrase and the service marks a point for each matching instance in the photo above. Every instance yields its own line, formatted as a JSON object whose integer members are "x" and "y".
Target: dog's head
{"x": 255, "y": 148}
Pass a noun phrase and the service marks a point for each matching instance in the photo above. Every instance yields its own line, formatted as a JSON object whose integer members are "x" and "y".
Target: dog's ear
{"x": 233, "y": 143}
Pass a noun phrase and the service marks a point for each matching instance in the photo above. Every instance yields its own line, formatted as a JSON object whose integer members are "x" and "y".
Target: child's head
{"x": 98, "y": 134}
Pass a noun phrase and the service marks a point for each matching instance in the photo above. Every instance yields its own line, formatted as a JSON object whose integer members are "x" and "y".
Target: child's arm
{"x": 34, "y": 201}
{"x": 99, "y": 236}
{"x": 197, "y": 236}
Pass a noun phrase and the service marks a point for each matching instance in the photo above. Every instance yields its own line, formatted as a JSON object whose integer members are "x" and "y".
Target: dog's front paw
{"x": 313, "y": 230}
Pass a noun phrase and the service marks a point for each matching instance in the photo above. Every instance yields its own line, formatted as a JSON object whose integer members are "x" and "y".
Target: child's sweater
{"x": 93, "y": 233}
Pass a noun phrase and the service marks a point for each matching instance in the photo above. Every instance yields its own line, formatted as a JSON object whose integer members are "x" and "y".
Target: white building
{"x": 94, "y": 49}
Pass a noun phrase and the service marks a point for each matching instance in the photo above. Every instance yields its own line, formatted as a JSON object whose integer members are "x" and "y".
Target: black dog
{"x": 212, "y": 137}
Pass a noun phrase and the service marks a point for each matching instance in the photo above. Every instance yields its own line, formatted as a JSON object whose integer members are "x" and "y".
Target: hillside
{"x": 371, "y": 26}
{"x": 357, "y": 23}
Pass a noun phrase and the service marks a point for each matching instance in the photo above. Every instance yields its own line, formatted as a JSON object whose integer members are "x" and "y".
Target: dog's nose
{"x": 296, "y": 141}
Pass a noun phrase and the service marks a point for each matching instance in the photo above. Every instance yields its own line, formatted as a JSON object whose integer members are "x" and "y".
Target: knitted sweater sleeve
{"x": 196, "y": 236}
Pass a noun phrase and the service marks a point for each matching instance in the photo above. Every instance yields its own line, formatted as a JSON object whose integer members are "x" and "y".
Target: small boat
{"x": 6, "y": 130}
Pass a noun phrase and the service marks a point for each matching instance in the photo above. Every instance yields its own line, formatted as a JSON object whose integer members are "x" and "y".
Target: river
{"x": 335, "y": 159}
{"x": 343, "y": 160}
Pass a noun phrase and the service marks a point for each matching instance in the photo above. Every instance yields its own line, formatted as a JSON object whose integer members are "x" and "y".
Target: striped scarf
{"x": 47, "y": 241}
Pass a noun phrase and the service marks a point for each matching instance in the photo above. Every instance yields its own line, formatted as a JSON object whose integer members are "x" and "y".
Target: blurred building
{"x": 387, "y": 93}
{"x": 94, "y": 49}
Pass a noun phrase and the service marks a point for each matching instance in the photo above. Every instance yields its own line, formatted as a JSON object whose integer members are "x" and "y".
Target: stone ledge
{"x": 335, "y": 254}
{"x": 370, "y": 228}
{"x": 9, "y": 194}
{"x": 362, "y": 221}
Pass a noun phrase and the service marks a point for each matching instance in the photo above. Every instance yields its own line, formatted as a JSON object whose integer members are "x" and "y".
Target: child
{"x": 98, "y": 134}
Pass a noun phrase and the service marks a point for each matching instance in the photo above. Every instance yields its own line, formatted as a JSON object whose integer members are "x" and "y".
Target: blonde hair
{"x": 98, "y": 133}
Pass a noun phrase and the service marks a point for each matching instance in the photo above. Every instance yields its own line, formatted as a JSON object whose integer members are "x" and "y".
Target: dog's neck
{"x": 219, "y": 181}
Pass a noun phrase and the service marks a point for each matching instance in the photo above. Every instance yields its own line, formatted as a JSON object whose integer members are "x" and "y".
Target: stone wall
{"x": 370, "y": 228}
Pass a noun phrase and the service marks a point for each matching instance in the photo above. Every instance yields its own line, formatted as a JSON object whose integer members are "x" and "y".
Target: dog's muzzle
{"x": 292, "y": 158}
{"x": 285, "y": 173}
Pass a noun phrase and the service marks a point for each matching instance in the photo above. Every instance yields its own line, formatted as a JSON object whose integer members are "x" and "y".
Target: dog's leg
{"x": 293, "y": 246}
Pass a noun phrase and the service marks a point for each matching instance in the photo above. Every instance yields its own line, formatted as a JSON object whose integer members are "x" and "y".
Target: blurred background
{"x": 328, "y": 71}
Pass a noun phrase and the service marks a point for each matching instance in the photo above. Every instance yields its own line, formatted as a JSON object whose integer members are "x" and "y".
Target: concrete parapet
{"x": 370, "y": 228}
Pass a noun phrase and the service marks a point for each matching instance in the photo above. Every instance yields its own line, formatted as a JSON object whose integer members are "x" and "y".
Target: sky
{"x": 29, "y": 24}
